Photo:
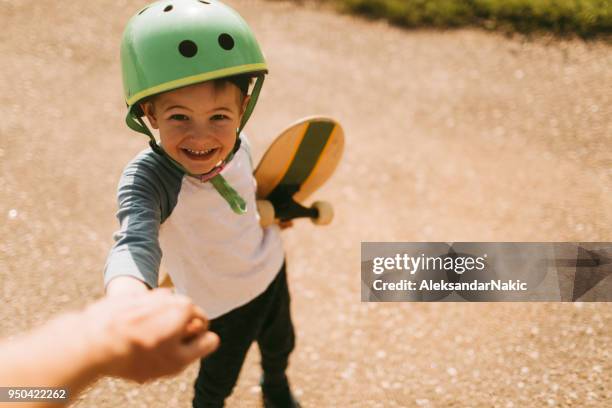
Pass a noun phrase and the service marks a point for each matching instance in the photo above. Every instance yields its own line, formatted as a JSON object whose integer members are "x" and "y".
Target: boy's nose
{"x": 200, "y": 132}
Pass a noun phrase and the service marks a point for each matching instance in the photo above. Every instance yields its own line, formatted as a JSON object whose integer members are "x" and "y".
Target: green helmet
{"x": 174, "y": 43}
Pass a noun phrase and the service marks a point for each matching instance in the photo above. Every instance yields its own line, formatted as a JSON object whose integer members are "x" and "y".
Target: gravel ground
{"x": 451, "y": 136}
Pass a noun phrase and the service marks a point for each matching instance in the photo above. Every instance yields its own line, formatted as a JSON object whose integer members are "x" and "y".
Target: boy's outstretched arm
{"x": 125, "y": 285}
{"x": 144, "y": 200}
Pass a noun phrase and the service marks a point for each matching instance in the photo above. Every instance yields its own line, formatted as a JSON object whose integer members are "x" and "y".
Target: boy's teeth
{"x": 199, "y": 152}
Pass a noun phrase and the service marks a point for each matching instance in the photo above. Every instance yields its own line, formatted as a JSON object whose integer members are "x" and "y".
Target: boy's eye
{"x": 219, "y": 117}
{"x": 179, "y": 117}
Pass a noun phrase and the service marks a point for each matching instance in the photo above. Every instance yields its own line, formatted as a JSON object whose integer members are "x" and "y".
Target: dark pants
{"x": 265, "y": 319}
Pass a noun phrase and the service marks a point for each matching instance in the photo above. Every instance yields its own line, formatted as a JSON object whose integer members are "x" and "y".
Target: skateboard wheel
{"x": 326, "y": 213}
{"x": 266, "y": 212}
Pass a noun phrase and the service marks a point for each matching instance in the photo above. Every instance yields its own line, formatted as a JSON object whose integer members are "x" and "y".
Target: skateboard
{"x": 299, "y": 161}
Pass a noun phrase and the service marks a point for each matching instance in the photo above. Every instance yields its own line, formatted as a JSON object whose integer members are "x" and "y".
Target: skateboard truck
{"x": 281, "y": 205}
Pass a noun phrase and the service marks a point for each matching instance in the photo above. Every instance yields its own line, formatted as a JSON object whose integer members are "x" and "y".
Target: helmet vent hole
{"x": 168, "y": 8}
{"x": 226, "y": 41}
{"x": 143, "y": 10}
{"x": 204, "y": 1}
{"x": 188, "y": 48}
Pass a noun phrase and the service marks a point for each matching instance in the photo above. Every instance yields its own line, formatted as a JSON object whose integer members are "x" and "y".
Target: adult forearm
{"x": 60, "y": 354}
{"x": 137, "y": 337}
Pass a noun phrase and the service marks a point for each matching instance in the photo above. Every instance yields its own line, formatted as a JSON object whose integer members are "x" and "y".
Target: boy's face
{"x": 197, "y": 124}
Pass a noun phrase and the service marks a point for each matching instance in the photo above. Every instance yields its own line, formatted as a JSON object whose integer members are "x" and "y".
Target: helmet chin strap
{"x": 218, "y": 168}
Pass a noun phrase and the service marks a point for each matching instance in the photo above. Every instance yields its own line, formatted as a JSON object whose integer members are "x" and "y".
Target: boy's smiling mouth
{"x": 200, "y": 155}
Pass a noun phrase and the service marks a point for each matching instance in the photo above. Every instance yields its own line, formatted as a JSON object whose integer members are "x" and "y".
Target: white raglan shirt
{"x": 220, "y": 259}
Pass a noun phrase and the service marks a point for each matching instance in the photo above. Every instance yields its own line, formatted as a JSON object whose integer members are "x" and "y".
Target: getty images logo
{"x": 459, "y": 263}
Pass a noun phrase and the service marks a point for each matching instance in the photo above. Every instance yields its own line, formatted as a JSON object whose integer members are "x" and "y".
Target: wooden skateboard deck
{"x": 299, "y": 161}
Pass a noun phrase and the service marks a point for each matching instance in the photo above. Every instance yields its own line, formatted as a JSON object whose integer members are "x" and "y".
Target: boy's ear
{"x": 149, "y": 111}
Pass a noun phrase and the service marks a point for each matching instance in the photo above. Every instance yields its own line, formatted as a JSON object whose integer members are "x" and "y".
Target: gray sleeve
{"x": 136, "y": 251}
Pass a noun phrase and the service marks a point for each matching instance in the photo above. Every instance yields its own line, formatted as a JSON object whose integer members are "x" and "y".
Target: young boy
{"x": 187, "y": 66}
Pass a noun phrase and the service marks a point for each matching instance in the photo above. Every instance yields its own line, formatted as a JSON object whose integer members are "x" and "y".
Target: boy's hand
{"x": 285, "y": 224}
{"x": 149, "y": 335}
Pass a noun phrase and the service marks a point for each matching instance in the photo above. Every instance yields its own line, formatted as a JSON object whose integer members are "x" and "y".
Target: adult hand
{"x": 149, "y": 335}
